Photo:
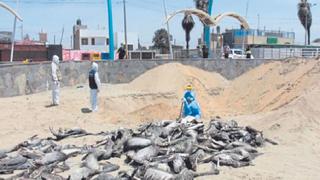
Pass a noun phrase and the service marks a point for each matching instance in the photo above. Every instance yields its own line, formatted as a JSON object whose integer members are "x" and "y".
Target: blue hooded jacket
{"x": 191, "y": 108}
{"x": 189, "y": 94}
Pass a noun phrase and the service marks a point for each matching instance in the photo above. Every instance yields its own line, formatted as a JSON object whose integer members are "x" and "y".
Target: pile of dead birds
{"x": 155, "y": 151}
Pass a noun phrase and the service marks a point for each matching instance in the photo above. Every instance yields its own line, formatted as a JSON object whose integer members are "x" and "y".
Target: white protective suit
{"x": 94, "y": 92}
{"x": 56, "y": 78}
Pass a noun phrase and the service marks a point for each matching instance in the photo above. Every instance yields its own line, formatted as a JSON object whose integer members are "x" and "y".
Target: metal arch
{"x": 211, "y": 21}
{"x": 242, "y": 20}
{"x": 204, "y": 17}
{"x": 11, "y": 11}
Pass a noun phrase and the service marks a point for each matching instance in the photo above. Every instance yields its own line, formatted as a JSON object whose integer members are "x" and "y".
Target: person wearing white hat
{"x": 56, "y": 79}
{"x": 95, "y": 86}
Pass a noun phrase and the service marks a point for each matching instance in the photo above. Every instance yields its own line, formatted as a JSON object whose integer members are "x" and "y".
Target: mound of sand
{"x": 174, "y": 77}
{"x": 296, "y": 127}
{"x": 164, "y": 85}
{"x": 269, "y": 86}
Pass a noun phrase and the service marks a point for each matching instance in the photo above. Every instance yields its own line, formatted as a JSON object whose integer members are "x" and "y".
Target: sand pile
{"x": 269, "y": 86}
{"x": 296, "y": 127}
{"x": 160, "y": 90}
{"x": 173, "y": 77}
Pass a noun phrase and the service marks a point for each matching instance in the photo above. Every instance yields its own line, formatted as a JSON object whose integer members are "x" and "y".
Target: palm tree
{"x": 203, "y": 6}
{"x": 187, "y": 25}
{"x": 305, "y": 16}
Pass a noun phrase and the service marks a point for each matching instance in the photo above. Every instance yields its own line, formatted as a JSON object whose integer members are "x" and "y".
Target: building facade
{"x": 237, "y": 38}
{"x": 34, "y": 52}
{"x": 90, "y": 40}
{"x": 43, "y": 37}
{"x": 5, "y": 36}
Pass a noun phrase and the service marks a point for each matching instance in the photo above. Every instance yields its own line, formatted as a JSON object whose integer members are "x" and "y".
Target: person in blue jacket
{"x": 190, "y": 106}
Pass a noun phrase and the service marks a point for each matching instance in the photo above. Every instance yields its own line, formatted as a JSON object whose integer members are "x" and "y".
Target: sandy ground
{"x": 280, "y": 98}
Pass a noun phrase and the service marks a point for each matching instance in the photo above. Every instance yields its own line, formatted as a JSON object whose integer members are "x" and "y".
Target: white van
{"x": 237, "y": 54}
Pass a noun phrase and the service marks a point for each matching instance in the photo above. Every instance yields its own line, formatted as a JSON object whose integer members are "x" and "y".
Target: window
{"x": 107, "y": 41}
{"x": 84, "y": 41}
{"x": 238, "y": 52}
{"x": 130, "y": 47}
{"x": 100, "y": 41}
{"x": 93, "y": 41}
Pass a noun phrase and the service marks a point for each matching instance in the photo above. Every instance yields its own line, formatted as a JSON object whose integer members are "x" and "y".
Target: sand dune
{"x": 270, "y": 86}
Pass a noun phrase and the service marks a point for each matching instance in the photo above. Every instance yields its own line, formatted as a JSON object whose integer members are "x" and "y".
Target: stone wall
{"x": 32, "y": 78}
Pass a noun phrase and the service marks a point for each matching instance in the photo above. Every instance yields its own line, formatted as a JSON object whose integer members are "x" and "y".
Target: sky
{"x": 144, "y": 17}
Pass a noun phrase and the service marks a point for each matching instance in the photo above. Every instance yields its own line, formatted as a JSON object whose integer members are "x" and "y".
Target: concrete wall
{"x": 32, "y": 78}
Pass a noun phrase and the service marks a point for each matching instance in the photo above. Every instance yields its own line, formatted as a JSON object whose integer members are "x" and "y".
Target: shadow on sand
{"x": 86, "y": 110}
{"x": 50, "y": 106}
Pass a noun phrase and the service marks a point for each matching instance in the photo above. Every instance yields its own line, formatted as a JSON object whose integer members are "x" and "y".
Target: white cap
{"x": 55, "y": 59}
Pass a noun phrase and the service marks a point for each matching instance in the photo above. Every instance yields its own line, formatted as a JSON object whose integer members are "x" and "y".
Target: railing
{"x": 258, "y": 53}
{"x": 282, "y": 53}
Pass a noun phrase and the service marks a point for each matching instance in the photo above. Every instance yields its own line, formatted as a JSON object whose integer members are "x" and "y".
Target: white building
{"x": 90, "y": 40}
{"x": 94, "y": 40}
{"x": 98, "y": 40}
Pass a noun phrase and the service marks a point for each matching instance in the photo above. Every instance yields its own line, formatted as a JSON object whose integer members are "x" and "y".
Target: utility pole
{"x": 21, "y": 32}
{"x": 245, "y": 31}
{"x": 12, "y": 38}
{"x": 258, "y": 22}
{"x": 111, "y": 37}
{"x": 62, "y": 35}
{"x": 18, "y": 10}
{"x": 168, "y": 29}
{"x": 125, "y": 28}
{"x": 71, "y": 42}
{"x": 13, "y": 35}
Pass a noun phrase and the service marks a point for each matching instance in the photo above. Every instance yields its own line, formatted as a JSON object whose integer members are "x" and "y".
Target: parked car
{"x": 238, "y": 54}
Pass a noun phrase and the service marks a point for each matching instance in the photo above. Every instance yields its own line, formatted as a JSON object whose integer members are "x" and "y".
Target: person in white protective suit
{"x": 56, "y": 79}
{"x": 95, "y": 86}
